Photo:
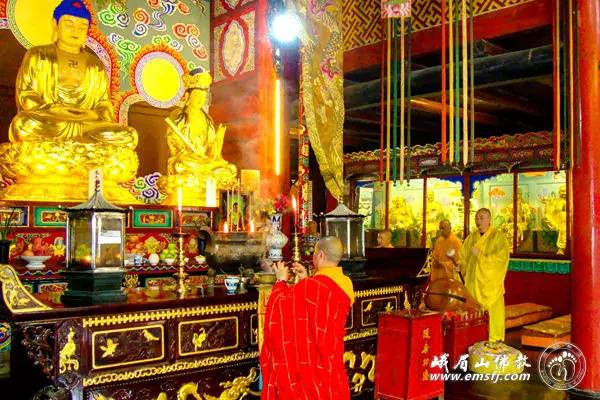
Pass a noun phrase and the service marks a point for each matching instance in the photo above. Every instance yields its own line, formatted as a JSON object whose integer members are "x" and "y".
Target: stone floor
{"x": 534, "y": 389}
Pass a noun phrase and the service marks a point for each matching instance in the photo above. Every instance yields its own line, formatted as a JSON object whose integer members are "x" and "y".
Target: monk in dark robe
{"x": 303, "y": 348}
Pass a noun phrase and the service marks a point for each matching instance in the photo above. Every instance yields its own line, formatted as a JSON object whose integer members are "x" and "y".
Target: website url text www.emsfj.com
{"x": 471, "y": 377}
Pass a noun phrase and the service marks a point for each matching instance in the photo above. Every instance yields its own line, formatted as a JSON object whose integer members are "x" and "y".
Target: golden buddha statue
{"x": 195, "y": 144}
{"x": 433, "y": 216}
{"x": 555, "y": 216}
{"x": 524, "y": 218}
{"x": 401, "y": 215}
{"x": 65, "y": 121}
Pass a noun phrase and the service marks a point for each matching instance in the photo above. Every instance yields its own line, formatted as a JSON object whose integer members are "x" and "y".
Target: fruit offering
{"x": 169, "y": 252}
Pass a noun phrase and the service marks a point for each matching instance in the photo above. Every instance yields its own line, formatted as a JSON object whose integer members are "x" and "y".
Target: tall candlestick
{"x": 227, "y": 207}
{"x": 295, "y": 207}
{"x": 179, "y": 206}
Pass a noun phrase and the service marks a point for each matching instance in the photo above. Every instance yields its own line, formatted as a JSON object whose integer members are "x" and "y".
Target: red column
{"x": 585, "y": 277}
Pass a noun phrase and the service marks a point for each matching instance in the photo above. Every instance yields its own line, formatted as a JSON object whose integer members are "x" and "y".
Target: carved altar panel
{"x": 371, "y": 307}
{"x": 208, "y": 335}
{"x": 350, "y": 320}
{"x": 127, "y": 346}
{"x": 254, "y": 329}
{"x": 360, "y": 361}
{"x": 230, "y": 382}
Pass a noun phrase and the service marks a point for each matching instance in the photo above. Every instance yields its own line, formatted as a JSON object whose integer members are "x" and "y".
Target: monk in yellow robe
{"x": 446, "y": 251}
{"x": 484, "y": 261}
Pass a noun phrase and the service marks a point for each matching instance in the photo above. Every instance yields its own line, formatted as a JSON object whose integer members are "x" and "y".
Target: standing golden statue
{"x": 195, "y": 144}
{"x": 65, "y": 121}
{"x": 555, "y": 217}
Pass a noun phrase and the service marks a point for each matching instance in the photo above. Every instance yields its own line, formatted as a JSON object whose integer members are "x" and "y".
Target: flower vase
{"x": 276, "y": 240}
{"x": 4, "y": 251}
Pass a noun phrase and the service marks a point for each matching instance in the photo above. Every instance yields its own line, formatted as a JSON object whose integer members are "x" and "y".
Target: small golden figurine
{"x": 195, "y": 144}
{"x": 65, "y": 121}
{"x": 555, "y": 216}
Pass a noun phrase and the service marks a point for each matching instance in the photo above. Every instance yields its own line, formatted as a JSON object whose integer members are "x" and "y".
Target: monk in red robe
{"x": 303, "y": 348}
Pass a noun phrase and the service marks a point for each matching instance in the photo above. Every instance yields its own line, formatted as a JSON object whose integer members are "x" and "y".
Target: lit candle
{"x": 241, "y": 209}
{"x": 225, "y": 227}
{"x": 179, "y": 206}
{"x": 211, "y": 192}
{"x": 295, "y": 207}
{"x": 251, "y": 225}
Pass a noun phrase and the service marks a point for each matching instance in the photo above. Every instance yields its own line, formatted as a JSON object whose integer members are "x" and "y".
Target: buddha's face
{"x": 72, "y": 31}
{"x": 197, "y": 98}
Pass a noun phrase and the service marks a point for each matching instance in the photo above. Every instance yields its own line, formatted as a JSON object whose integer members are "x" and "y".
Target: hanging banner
{"x": 323, "y": 87}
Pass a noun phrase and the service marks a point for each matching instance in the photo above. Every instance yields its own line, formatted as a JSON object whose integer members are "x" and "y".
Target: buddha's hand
{"x": 82, "y": 114}
{"x": 281, "y": 271}
{"x": 299, "y": 270}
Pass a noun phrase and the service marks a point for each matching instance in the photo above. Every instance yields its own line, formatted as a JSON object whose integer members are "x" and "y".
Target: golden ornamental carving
{"x": 358, "y": 380}
{"x": 131, "y": 281}
{"x": 350, "y": 358}
{"x": 361, "y": 334}
{"x": 166, "y": 369}
{"x": 109, "y": 349}
{"x": 389, "y": 307}
{"x": 379, "y": 291}
{"x": 254, "y": 329}
{"x": 16, "y": 297}
{"x": 176, "y": 313}
{"x": 237, "y": 388}
{"x": 367, "y": 359}
{"x": 149, "y": 336}
{"x": 100, "y": 396}
{"x": 188, "y": 389}
{"x": 367, "y": 311}
{"x": 67, "y": 360}
{"x": 199, "y": 338}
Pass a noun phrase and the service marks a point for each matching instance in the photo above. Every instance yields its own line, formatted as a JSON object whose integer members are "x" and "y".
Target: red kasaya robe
{"x": 303, "y": 348}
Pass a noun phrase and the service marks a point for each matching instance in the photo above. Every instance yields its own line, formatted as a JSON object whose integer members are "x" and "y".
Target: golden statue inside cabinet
{"x": 555, "y": 217}
{"x": 195, "y": 144}
{"x": 65, "y": 121}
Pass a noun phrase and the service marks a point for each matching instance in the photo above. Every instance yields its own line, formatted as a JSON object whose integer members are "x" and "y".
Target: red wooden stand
{"x": 406, "y": 344}
{"x": 462, "y": 330}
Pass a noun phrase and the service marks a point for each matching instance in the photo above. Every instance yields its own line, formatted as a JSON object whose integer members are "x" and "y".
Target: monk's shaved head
{"x": 332, "y": 249}
{"x": 485, "y": 211}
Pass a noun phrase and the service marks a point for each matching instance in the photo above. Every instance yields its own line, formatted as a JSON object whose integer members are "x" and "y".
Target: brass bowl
{"x": 152, "y": 292}
{"x": 228, "y": 251}
{"x": 264, "y": 278}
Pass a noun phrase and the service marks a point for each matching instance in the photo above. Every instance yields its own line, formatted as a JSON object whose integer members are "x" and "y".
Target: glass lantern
{"x": 95, "y": 251}
{"x": 347, "y": 226}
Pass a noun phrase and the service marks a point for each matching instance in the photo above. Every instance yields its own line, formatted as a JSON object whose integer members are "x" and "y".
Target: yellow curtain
{"x": 323, "y": 87}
